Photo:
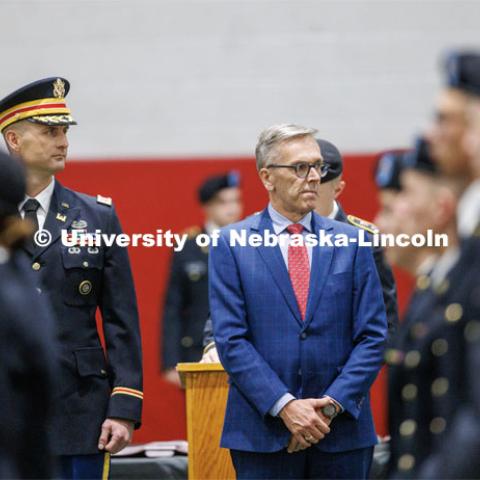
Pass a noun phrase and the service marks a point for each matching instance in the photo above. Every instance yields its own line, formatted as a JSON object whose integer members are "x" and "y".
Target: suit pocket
{"x": 91, "y": 361}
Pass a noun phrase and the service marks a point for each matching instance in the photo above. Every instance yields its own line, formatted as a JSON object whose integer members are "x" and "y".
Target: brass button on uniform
{"x": 186, "y": 342}
{"x": 438, "y": 425}
{"x": 85, "y": 264}
{"x": 439, "y": 347}
{"x": 409, "y": 392}
{"x": 85, "y": 287}
{"x": 454, "y": 312}
{"x": 412, "y": 359}
{"x": 442, "y": 287}
{"x": 406, "y": 462}
{"x": 36, "y": 266}
{"x": 419, "y": 330}
{"x": 472, "y": 331}
{"x": 440, "y": 386}
{"x": 407, "y": 428}
{"x": 423, "y": 282}
{"x": 393, "y": 356}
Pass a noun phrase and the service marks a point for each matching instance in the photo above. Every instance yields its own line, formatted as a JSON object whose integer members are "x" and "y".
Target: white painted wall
{"x": 203, "y": 77}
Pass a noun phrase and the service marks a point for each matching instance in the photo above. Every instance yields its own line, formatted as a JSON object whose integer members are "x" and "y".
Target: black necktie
{"x": 30, "y": 208}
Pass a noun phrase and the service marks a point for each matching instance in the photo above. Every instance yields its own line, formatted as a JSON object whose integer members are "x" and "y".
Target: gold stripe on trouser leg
{"x": 106, "y": 467}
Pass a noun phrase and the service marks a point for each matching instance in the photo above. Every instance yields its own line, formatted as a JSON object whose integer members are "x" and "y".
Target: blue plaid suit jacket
{"x": 268, "y": 350}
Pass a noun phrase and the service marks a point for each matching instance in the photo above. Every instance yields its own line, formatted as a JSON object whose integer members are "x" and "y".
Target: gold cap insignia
{"x": 59, "y": 88}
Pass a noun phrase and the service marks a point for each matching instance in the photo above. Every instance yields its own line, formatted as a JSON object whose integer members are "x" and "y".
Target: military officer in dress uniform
{"x": 186, "y": 303}
{"x": 330, "y": 189}
{"x": 98, "y": 399}
{"x": 26, "y": 345}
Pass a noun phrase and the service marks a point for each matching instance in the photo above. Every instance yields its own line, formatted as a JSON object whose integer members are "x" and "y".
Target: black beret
{"x": 42, "y": 102}
{"x": 387, "y": 170}
{"x": 419, "y": 158}
{"x": 463, "y": 71}
{"x": 12, "y": 185}
{"x": 212, "y": 185}
{"x": 332, "y": 159}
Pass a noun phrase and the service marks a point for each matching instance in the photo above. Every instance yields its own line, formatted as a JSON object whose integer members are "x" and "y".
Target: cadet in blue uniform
{"x": 98, "y": 400}
{"x": 26, "y": 345}
{"x": 186, "y": 301}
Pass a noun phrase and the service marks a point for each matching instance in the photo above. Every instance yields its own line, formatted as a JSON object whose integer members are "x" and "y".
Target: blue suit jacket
{"x": 268, "y": 350}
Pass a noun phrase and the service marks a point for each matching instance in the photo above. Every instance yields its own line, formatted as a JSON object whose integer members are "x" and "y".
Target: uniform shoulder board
{"x": 192, "y": 232}
{"x": 363, "y": 224}
{"x": 104, "y": 200}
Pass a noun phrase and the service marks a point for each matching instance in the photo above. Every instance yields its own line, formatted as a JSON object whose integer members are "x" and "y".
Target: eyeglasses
{"x": 302, "y": 169}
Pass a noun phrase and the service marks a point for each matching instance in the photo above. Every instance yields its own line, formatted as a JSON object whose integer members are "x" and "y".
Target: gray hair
{"x": 271, "y": 137}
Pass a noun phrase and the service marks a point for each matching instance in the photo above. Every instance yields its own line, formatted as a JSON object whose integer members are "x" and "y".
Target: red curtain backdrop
{"x": 161, "y": 194}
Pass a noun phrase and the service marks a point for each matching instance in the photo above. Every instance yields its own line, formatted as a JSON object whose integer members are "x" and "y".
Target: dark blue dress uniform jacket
{"x": 434, "y": 383}
{"x": 27, "y": 375}
{"x": 76, "y": 281}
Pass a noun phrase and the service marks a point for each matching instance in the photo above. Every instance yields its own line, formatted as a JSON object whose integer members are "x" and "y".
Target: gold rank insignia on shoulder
{"x": 192, "y": 232}
{"x": 363, "y": 224}
{"x": 104, "y": 200}
{"x": 59, "y": 88}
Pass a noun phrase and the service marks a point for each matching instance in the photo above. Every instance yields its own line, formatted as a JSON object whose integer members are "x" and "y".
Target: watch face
{"x": 329, "y": 411}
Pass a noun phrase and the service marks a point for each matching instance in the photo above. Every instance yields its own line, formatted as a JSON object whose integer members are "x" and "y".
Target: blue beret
{"x": 419, "y": 158}
{"x": 332, "y": 159}
{"x": 463, "y": 71}
{"x": 387, "y": 170}
{"x": 212, "y": 185}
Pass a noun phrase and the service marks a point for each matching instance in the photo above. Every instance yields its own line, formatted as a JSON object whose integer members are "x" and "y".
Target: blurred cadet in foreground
{"x": 186, "y": 302}
{"x": 434, "y": 384}
{"x": 26, "y": 344}
{"x": 330, "y": 189}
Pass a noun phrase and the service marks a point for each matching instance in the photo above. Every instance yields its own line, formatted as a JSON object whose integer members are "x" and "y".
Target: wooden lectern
{"x": 207, "y": 389}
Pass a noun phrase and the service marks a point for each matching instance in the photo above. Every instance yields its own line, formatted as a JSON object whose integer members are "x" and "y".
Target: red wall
{"x": 161, "y": 194}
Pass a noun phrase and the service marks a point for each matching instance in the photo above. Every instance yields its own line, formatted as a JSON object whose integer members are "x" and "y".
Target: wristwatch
{"x": 330, "y": 411}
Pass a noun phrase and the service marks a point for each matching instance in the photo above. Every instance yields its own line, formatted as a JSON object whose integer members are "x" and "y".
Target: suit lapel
{"x": 272, "y": 256}
{"x": 321, "y": 261}
{"x": 60, "y": 216}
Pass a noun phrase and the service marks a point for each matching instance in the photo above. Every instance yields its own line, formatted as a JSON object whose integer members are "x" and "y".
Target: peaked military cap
{"x": 332, "y": 159}
{"x": 212, "y": 185}
{"x": 42, "y": 102}
{"x": 387, "y": 170}
{"x": 419, "y": 158}
{"x": 463, "y": 71}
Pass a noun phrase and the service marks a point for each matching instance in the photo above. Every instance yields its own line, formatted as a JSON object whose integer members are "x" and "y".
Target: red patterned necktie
{"x": 299, "y": 269}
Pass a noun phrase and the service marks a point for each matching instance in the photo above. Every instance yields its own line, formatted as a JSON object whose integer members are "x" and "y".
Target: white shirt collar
{"x": 444, "y": 264}
{"x": 44, "y": 198}
{"x": 468, "y": 211}
{"x": 280, "y": 223}
{"x": 334, "y": 211}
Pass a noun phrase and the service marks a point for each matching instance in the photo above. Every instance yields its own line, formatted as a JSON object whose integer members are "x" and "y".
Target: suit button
{"x": 36, "y": 266}
{"x": 303, "y": 335}
{"x": 39, "y": 290}
{"x": 186, "y": 342}
{"x": 103, "y": 372}
{"x": 85, "y": 264}
{"x": 406, "y": 462}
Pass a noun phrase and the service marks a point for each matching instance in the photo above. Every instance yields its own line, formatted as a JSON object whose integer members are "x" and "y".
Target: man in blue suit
{"x": 300, "y": 329}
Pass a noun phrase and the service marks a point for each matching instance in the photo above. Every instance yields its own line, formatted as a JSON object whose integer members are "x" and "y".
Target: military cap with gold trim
{"x": 42, "y": 102}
